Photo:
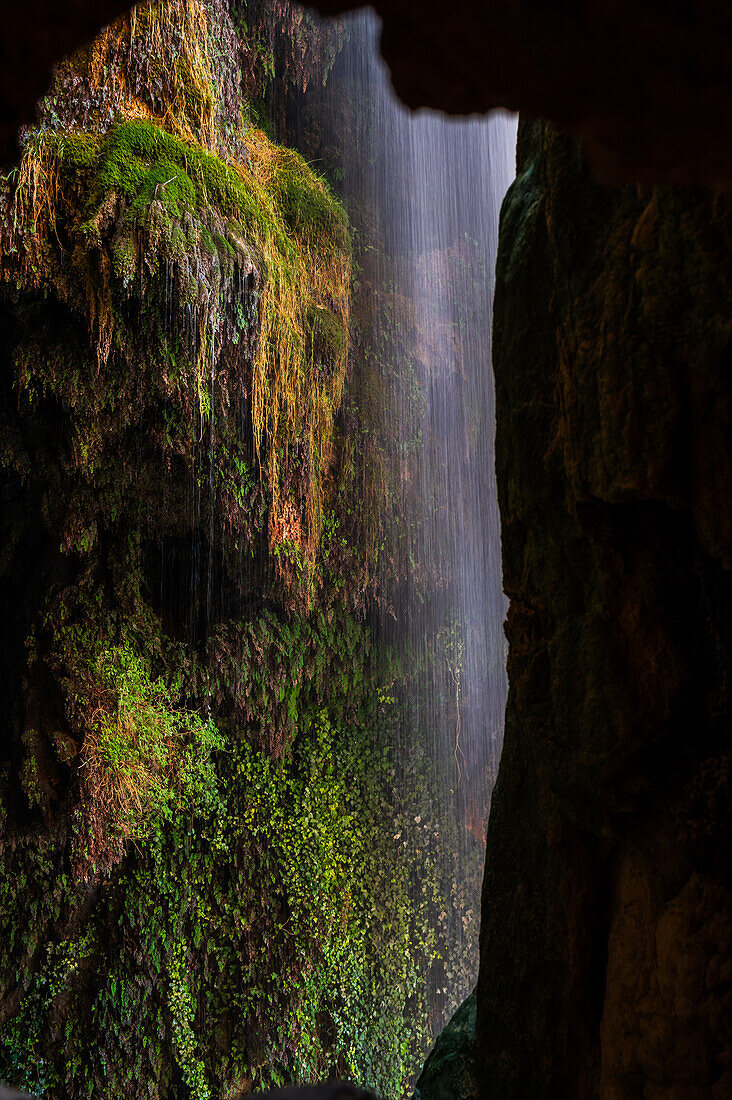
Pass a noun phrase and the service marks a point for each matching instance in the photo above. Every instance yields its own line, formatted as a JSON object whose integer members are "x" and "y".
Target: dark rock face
{"x": 606, "y": 955}
{"x": 338, "y": 1091}
{"x": 11, "y": 1094}
{"x": 645, "y": 84}
{"x": 450, "y": 1072}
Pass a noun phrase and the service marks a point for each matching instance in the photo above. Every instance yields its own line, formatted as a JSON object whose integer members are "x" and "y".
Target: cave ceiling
{"x": 645, "y": 83}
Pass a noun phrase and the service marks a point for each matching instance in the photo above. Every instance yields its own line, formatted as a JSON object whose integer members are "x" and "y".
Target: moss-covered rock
{"x": 196, "y": 734}
{"x": 450, "y": 1072}
{"x": 172, "y": 254}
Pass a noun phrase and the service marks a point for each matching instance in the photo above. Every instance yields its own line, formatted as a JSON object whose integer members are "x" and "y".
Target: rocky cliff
{"x": 606, "y": 946}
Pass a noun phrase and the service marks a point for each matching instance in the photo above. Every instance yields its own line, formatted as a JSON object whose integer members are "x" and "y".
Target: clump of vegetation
{"x": 165, "y": 59}
{"x": 176, "y": 73}
{"x": 268, "y": 927}
{"x": 306, "y": 257}
{"x": 143, "y": 756}
{"x": 104, "y": 219}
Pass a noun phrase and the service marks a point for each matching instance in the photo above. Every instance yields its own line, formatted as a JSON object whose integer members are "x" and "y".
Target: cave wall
{"x": 645, "y": 84}
{"x": 606, "y": 965}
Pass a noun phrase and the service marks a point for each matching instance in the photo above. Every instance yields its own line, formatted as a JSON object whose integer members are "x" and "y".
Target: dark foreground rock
{"x": 606, "y": 955}
{"x": 449, "y": 1073}
{"x": 11, "y": 1094}
{"x": 336, "y": 1091}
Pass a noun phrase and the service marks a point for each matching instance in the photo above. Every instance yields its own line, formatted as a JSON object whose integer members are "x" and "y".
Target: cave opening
{"x": 253, "y": 684}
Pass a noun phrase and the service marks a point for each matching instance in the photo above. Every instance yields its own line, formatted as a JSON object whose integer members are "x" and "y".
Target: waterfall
{"x": 254, "y": 688}
{"x": 423, "y": 194}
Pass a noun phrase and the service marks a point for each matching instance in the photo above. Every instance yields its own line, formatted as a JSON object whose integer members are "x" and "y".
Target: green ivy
{"x": 266, "y": 925}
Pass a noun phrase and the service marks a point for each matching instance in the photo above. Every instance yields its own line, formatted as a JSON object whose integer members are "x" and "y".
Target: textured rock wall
{"x": 185, "y": 666}
{"x": 606, "y": 964}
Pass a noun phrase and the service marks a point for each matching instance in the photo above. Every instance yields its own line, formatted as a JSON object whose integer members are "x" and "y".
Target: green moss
{"x": 79, "y": 150}
{"x": 328, "y": 337}
{"x": 139, "y": 213}
{"x": 142, "y": 162}
{"x": 309, "y": 211}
